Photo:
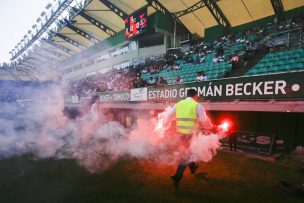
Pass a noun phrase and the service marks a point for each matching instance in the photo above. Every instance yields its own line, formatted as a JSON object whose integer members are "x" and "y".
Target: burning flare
{"x": 224, "y": 127}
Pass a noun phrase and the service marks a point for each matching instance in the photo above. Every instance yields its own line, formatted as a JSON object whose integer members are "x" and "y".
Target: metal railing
{"x": 291, "y": 38}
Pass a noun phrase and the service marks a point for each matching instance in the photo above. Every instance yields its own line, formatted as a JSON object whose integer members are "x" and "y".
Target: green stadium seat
{"x": 300, "y": 60}
{"x": 283, "y": 68}
{"x": 272, "y": 69}
{"x": 296, "y": 66}
{"x": 261, "y": 70}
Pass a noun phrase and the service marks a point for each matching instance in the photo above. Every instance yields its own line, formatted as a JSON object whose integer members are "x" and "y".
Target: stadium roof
{"x": 89, "y": 22}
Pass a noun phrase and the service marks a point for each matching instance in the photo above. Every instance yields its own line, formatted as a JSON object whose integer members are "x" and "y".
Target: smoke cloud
{"x": 39, "y": 127}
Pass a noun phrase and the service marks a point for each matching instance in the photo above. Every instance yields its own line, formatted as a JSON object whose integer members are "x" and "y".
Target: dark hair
{"x": 191, "y": 93}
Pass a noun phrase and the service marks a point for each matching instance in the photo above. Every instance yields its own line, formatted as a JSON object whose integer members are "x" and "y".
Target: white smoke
{"x": 39, "y": 127}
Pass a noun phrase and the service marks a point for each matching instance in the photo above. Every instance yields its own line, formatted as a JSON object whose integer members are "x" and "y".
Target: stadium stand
{"x": 214, "y": 58}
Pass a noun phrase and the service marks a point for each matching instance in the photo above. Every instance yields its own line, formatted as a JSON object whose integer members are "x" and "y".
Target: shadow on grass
{"x": 189, "y": 195}
{"x": 202, "y": 176}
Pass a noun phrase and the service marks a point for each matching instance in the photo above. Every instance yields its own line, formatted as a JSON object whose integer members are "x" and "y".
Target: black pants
{"x": 183, "y": 163}
{"x": 182, "y": 167}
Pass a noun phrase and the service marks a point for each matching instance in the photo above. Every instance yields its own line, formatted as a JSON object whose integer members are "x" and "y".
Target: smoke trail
{"x": 95, "y": 141}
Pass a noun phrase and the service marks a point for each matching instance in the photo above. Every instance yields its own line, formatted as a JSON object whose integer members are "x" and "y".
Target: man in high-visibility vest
{"x": 188, "y": 114}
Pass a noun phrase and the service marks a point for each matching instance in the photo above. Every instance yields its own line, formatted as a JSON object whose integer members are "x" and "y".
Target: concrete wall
{"x": 133, "y": 55}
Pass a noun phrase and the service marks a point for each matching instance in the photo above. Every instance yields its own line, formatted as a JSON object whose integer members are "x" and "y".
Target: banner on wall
{"x": 139, "y": 94}
{"x": 117, "y": 96}
{"x": 275, "y": 86}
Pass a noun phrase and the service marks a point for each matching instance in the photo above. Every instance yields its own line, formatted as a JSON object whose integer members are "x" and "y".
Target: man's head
{"x": 192, "y": 93}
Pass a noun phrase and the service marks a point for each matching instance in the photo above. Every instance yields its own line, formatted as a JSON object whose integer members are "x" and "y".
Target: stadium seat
{"x": 283, "y": 68}
{"x": 283, "y": 61}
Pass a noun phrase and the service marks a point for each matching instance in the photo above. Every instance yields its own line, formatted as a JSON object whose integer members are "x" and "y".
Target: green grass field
{"x": 229, "y": 177}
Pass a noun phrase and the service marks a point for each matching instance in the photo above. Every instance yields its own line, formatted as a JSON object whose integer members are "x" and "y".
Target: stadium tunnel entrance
{"x": 257, "y": 131}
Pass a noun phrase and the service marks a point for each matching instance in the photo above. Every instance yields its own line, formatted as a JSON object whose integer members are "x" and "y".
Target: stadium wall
{"x": 155, "y": 50}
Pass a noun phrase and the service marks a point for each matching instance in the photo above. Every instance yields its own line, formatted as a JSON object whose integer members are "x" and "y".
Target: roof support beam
{"x": 9, "y": 72}
{"x": 62, "y": 48}
{"x": 217, "y": 13}
{"x": 159, "y": 7}
{"x": 45, "y": 60}
{"x": 192, "y": 8}
{"x": 115, "y": 9}
{"x": 278, "y": 7}
{"x": 32, "y": 60}
{"x": 29, "y": 64}
{"x": 53, "y": 53}
{"x": 98, "y": 24}
{"x": 81, "y": 32}
{"x": 39, "y": 60}
{"x": 71, "y": 41}
{"x": 24, "y": 72}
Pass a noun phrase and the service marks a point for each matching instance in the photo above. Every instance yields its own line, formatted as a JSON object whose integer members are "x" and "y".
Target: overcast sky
{"x": 16, "y": 18}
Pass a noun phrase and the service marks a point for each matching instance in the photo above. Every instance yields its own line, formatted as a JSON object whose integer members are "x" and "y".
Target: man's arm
{"x": 170, "y": 115}
{"x": 203, "y": 118}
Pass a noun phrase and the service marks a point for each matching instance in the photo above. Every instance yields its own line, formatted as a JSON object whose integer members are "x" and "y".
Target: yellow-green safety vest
{"x": 186, "y": 118}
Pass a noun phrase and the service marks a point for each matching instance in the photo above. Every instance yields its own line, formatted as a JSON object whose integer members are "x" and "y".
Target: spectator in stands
{"x": 197, "y": 60}
{"x": 220, "y": 50}
{"x": 98, "y": 89}
{"x": 201, "y": 58}
{"x": 234, "y": 60}
{"x": 152, "y": 70}
{"x": 151, "y": 81}
{"x": 252, "y": 48}
{"x": 217, "y": 59}
{"x": 178, "y": 80}
{"x": 157, "y": 69}
{"x": 201, "y": 76}
{"x": 162, "y": 82}
{"x": 144, "y": 70}
{"x": 142, "y": 83}
{"x": 214, "y": 60}
{"x": 110, "y": 86}
{"x": 221, "y": 58}
{"x": 240, "y": 39}
{"x": 156, "y": 83}
{"x": 135, "y": 83}
{"x": 138, "y": 72}
{"x": 176, "y": 66}
{"x": 188, "y": 59}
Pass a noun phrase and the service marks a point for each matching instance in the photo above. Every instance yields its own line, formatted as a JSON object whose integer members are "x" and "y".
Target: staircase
{"x": 295, "y": 38}
{"x": 241, "y": 69}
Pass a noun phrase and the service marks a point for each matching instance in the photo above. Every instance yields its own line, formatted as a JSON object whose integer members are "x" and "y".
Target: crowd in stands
{"x": 194, "y": 52}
